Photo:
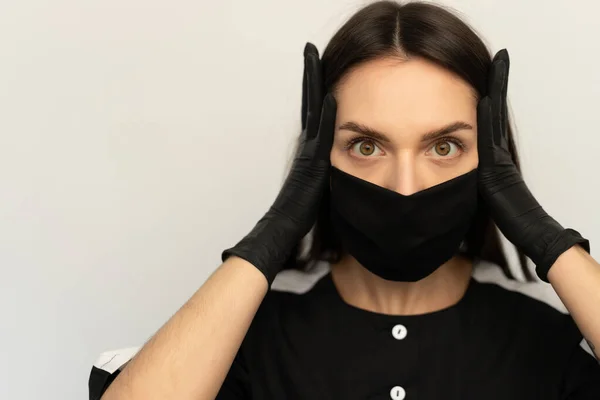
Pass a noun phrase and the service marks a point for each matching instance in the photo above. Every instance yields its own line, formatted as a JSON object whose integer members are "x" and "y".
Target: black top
{"x": 493, "y": 344}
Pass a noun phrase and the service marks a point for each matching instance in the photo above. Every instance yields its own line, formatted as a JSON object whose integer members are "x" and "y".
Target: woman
{"x": 405, "y": 154}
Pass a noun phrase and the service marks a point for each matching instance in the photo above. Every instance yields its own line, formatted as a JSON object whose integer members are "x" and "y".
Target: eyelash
{"x": 351, "y": 142}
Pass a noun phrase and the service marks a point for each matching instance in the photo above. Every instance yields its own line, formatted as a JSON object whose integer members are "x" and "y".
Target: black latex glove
{"x": 512, "y": 206}
{"x": 269, "y": 245}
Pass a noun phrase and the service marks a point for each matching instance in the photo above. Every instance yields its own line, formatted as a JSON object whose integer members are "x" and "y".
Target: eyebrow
{"x": 427, "y": 137}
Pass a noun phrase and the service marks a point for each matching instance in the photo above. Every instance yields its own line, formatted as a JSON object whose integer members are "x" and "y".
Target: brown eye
{"x": 443, "y": 148}
{"x": 366, "y": 148}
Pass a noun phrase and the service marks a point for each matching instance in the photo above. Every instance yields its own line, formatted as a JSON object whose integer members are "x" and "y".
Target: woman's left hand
{"x": 512, "y": 206}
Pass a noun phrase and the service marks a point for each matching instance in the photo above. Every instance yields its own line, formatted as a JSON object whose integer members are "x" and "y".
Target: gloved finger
{"x": 485, "y": 132}
{"x": 314, "y": 90}
{"x": 304, "y": 96}
{"x": 500, "y": 64}
{"x": 309, "y": 48}
{"x": 327, "y": 126}
{"x": 504, "y": 57}
{"x": 503, "y": 54}
{"x": 498, "y": 87}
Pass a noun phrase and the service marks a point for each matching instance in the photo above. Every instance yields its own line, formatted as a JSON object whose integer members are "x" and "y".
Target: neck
{"x": 442, "y": 289}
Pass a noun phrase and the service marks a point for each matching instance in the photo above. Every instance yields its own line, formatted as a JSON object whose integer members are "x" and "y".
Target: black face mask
{"x": 397, "y": 237}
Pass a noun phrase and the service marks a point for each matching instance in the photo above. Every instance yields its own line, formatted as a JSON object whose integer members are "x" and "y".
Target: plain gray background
{"x": 139, "y": 138}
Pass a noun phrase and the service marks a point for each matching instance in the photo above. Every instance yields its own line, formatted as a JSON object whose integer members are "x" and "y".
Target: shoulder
{"x": 532, "y": 310}
{"x": 534, "y": 293}
{"x": 530, "y": 326}
{"x": 516, "y": 297}
{"x": 296, "y": 310}
{"x": 294, "y": 292}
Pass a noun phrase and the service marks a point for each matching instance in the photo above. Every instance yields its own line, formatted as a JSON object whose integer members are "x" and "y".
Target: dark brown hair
{"x": 391, "y": 29}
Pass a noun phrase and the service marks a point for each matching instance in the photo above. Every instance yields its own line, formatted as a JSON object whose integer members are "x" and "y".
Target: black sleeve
{"x": 99, "y": 382}
{"x": 237, "y": 382}
{"x": 581, "y": 377}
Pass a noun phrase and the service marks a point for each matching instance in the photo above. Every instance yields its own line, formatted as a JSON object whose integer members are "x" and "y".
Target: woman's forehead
{"x": 414, "y": 95}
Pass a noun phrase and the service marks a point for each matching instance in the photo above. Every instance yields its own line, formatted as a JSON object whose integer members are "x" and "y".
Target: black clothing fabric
{"x": 493, "y": 344}
{"x": 99, "y": 382}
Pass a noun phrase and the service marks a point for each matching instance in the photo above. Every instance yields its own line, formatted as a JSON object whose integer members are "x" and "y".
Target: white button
{"x": 397, "y": 393}
{"x": 399, "y": 332}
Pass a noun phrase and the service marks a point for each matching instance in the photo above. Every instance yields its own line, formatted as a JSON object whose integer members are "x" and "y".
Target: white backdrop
{"x": 139, "y": 138}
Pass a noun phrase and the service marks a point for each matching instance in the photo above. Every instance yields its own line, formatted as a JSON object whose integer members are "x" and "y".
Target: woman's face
{"x": 405, "y": 125}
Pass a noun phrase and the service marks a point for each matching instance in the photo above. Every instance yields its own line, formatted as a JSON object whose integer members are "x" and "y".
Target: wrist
{"x": 554, "y": 248}
{"x": 268, "y": 246}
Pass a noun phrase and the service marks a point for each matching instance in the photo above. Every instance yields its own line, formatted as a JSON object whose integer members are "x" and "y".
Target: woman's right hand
{"x": 271, "y": 242}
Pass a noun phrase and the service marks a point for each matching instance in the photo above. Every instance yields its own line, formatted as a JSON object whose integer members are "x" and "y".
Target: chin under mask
{"x": 397, "y": 237}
